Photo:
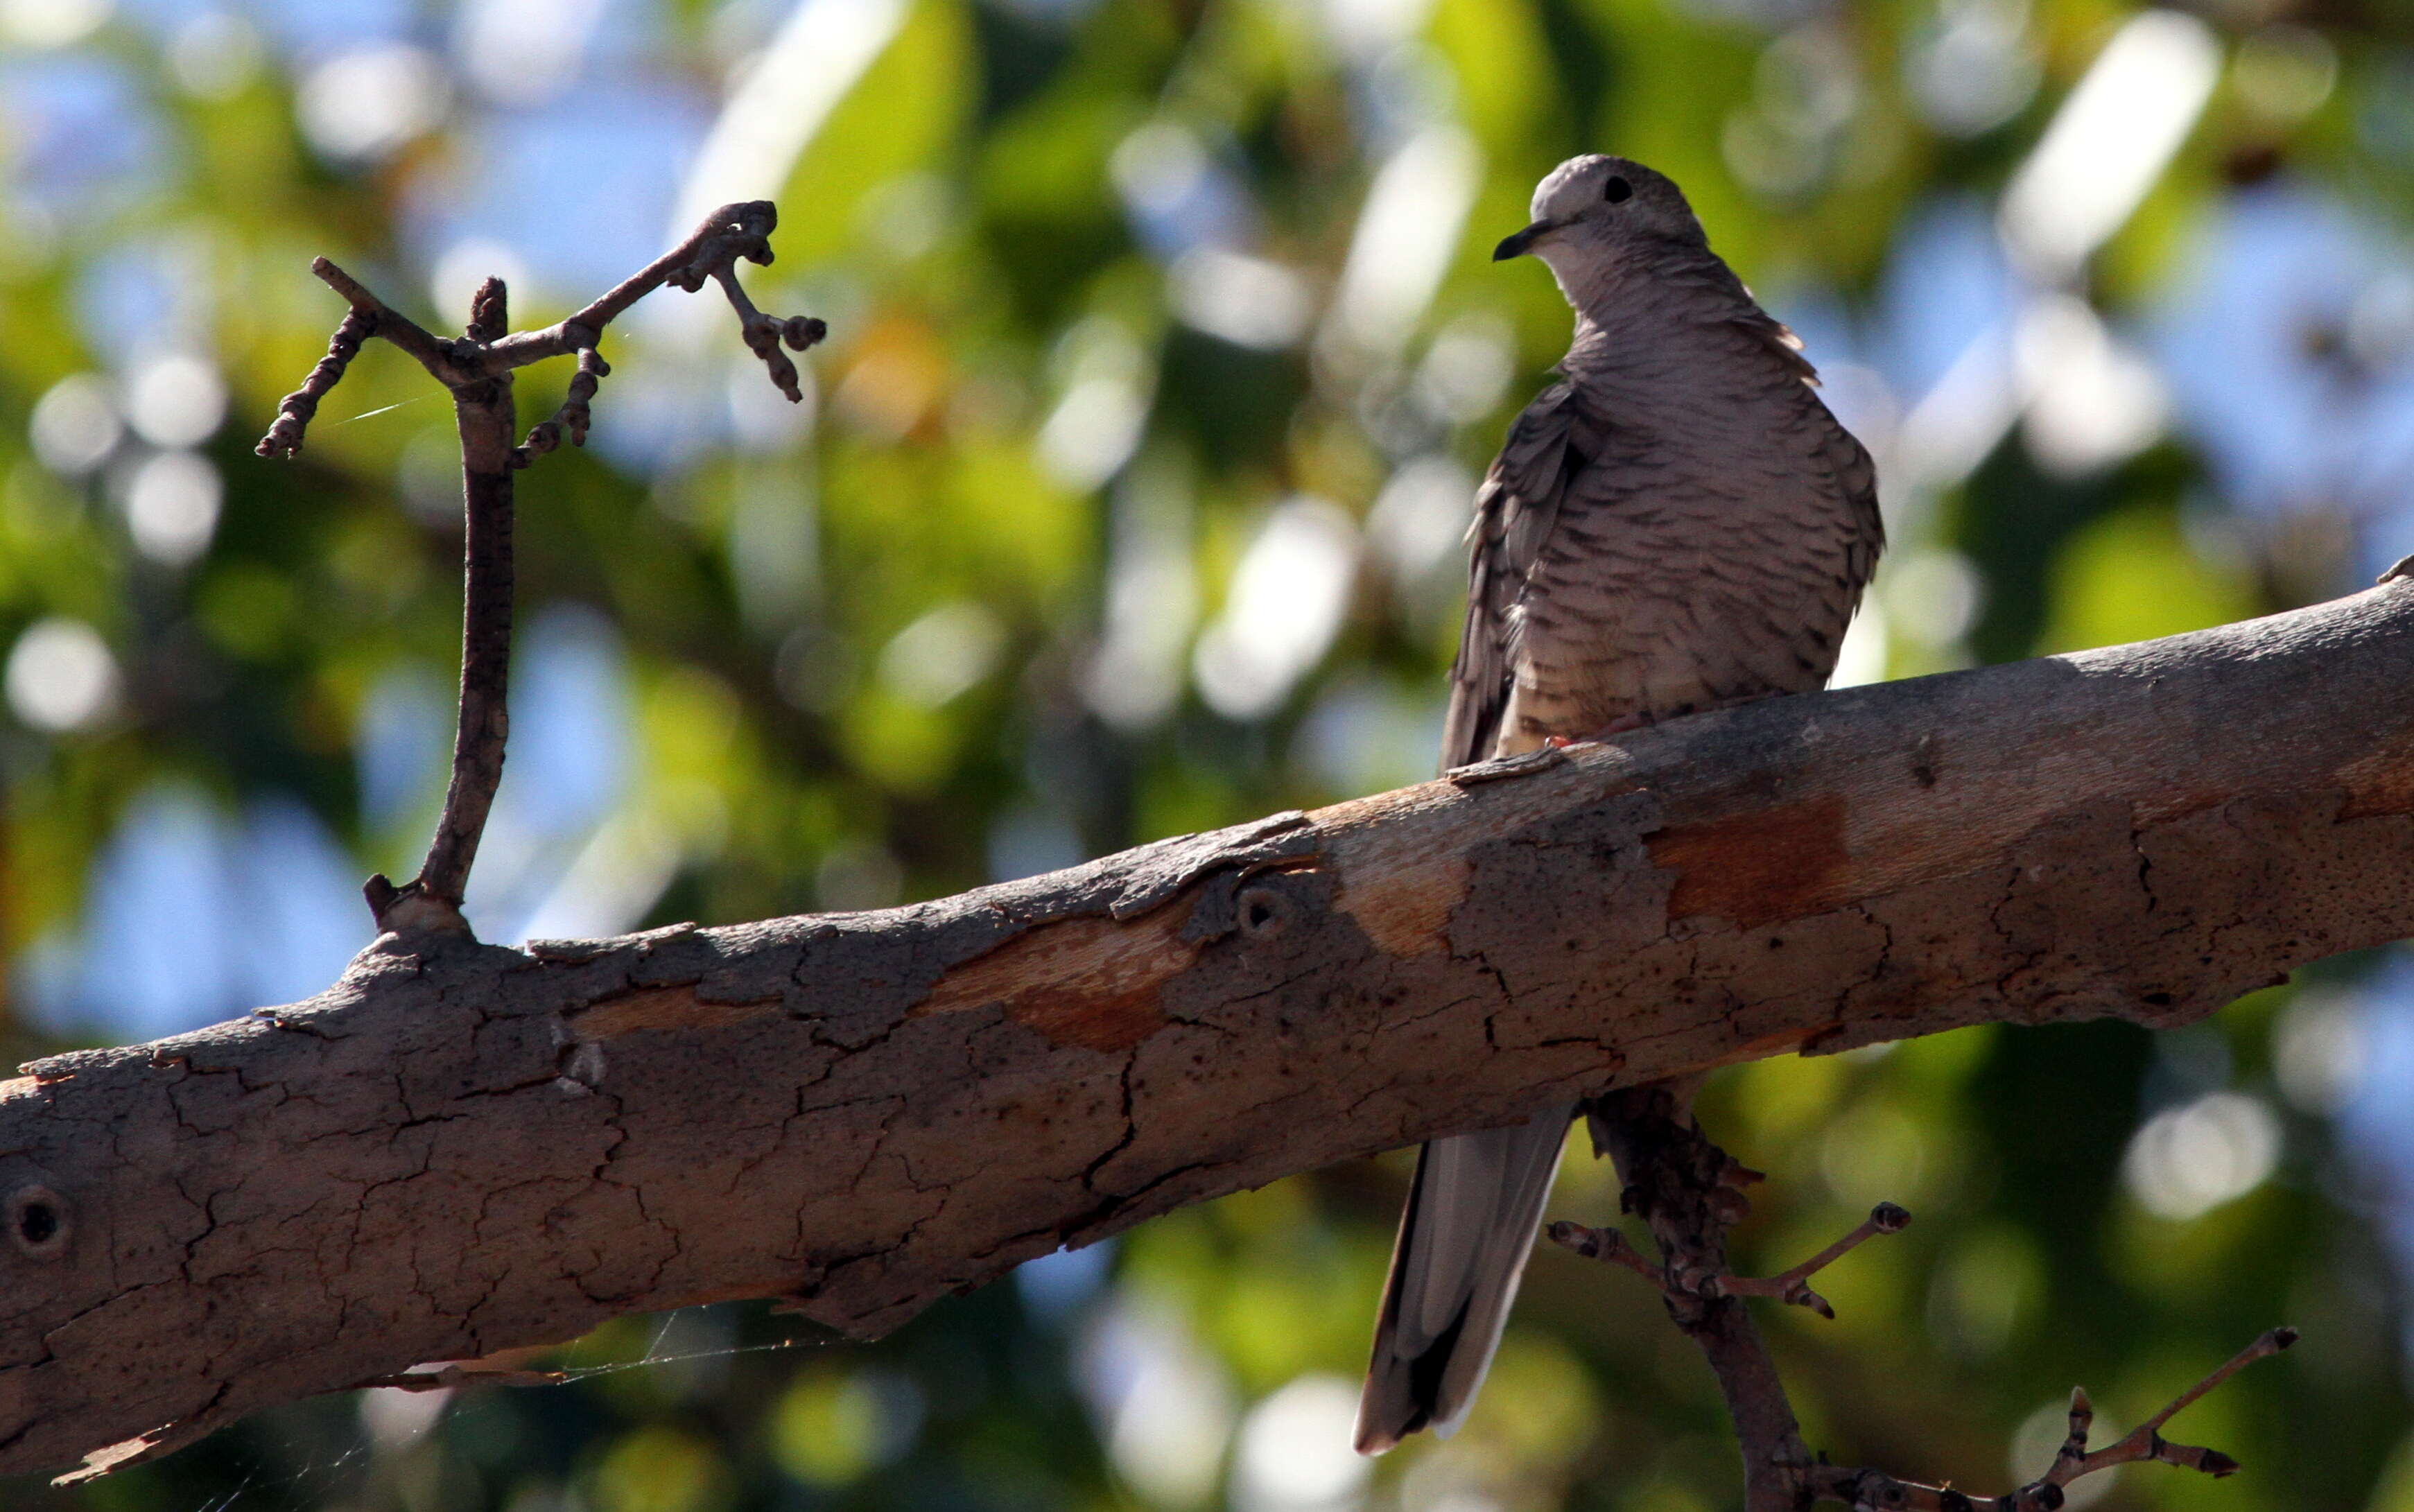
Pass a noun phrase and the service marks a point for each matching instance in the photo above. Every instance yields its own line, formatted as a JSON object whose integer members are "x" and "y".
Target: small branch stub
{"x": 478, "y": 367}
{"x": 1606, "y": 1245}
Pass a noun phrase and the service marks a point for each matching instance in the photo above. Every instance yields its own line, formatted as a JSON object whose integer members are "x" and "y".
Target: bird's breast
{"x": 1703, "y": 554}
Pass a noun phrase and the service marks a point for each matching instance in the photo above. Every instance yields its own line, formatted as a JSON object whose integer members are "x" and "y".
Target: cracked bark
{"x": 461, "y": 1149}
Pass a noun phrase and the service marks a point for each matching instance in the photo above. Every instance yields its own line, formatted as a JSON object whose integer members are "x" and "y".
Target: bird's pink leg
{"x": 1626, "y": 722}
{"x": 1614, "y": 727}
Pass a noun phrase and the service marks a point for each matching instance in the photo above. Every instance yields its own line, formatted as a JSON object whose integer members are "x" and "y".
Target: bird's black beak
{"x": 1523, "y": 243}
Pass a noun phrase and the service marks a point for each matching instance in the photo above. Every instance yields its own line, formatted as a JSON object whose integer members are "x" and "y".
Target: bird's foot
{"x": 1614, "y": 727}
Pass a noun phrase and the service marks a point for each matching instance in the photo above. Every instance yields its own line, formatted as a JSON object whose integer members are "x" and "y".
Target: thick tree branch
{"x": 461, "y": 1149}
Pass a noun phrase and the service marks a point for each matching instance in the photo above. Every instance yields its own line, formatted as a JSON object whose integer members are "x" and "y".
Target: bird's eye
{"x": 1617, "y": 189}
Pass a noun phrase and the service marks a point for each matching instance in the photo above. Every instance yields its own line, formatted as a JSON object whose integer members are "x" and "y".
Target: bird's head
{"x": 1591, "y": 213}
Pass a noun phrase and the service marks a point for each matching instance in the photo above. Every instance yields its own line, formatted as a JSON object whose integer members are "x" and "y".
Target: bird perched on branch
{"x": 1677, "y": 524}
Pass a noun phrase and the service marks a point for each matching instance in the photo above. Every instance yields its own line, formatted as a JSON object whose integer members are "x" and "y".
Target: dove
{"x": 1677, "y": 524}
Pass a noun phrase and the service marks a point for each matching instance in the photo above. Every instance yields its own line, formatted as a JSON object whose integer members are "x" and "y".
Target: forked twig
{"x": 1685, "y": 1187}
{"x": 1792, "y": 1287}
{"x": 477, "y": 367}
{"x": 2145, "y": 1442}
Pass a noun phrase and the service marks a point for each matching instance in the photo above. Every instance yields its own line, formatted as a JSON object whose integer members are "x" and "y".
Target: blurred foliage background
{"x": 1165, "y": 352}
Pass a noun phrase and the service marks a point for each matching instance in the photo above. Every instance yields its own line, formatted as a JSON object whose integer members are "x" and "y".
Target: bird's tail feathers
{"x": 1469, "y": 1224}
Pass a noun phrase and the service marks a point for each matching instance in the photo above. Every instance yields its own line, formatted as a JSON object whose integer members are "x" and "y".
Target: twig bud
{"x": 489, "y": 312}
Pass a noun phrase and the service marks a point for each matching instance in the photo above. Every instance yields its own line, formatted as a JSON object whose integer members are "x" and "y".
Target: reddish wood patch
{"x": 673, "y": 1007}
{"x": 1781, "y": 863}
{"x": 2379, "y": 782}
{"x": 1091, "y": 983}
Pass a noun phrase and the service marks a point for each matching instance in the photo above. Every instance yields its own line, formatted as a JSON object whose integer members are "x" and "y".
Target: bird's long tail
{"x": 1469, "y": 1224}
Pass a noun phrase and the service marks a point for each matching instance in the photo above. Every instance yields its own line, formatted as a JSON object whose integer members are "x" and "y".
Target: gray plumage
{"x": 1677, "y": 525}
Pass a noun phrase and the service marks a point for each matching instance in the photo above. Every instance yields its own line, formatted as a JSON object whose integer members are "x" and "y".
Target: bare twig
{"x": 573, "y": 416}
{"x": 284, "y": 437}
{"x": 478, "y": 368}
{"x": 2146, "y": 1442}
{"x": 1792, "y": 1287}
{"x": 485, "y": 415}
{"x": 763, "y": 333}
{"x": 1684, "y": 1186}
{"x": 1875, "y": 1488}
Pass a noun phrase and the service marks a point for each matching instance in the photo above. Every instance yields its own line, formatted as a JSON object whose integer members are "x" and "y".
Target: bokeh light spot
{"x": 61, "y": 676}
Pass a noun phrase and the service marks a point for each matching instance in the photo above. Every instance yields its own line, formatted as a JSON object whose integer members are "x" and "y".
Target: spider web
{"x": 282, "y": 1461}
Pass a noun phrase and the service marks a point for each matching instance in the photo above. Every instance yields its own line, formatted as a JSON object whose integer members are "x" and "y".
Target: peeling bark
{"x": 461, "y": 1149}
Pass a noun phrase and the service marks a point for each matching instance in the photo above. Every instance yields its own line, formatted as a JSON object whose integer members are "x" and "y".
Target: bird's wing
{"x": 1514, "y": 512}
{"x": 1839, "y": 451}
{"x": 1848, "y": 461}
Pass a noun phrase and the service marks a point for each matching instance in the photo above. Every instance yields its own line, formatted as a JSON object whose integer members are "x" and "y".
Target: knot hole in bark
{"x": 1265, "y": 911}
{"x": 40, "y": 1223}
